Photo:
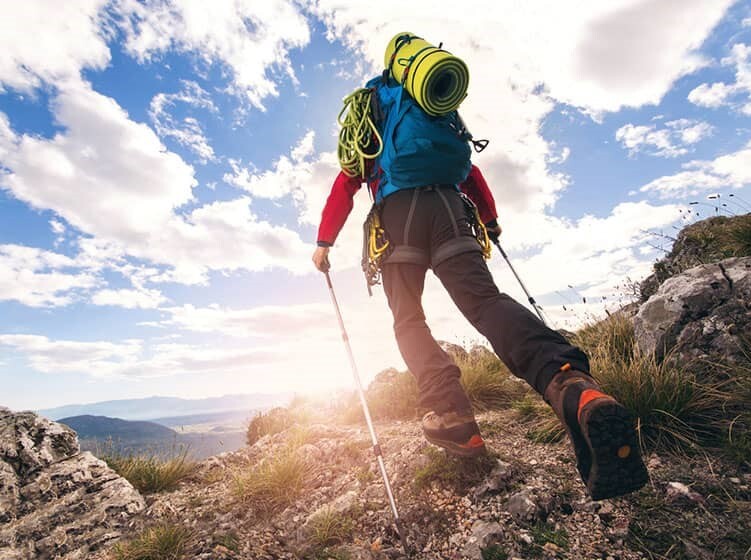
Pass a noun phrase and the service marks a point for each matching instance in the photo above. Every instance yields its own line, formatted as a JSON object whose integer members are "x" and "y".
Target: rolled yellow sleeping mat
{"x": 436, "y": 79}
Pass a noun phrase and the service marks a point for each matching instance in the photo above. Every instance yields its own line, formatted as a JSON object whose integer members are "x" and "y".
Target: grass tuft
{"x": 152, "y": 473}
{"x": 274, "y": 484}
{"x": 456, "y": 472}
{"x": 329, "y": 528}
{"x": 163, "y": 542}
{"x": 677, "y": 407}
{"x": 274, "y": 421}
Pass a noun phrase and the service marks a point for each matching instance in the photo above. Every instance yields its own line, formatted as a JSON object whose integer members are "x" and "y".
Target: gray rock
{"x": 498, "y": 480}
{"x": 702, "y": 313}
{"x": 521, "y": 506}
{"x": 56, "y": 502}
{"x": 358, "y": 553}
{"x": 677, "y": 491}
{"x": 484, "y": 534}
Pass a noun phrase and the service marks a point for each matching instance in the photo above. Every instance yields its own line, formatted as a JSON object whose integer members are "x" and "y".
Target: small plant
{"x": 543, "y": 533}
{"x": 456, "y": 472}
{"x": 365, "y": 476}
{"x": 329, "y": 528}
{"x": 274, "y": 484}
{"x": 163, "y": 542}
{"x": 486, "y": 380}
{"x": 152, "y": 473}
{"x": 529, "y": 407}
{"x": 230, "y": 541}
{"x": 493, "y": 552}
{"x": 272, "y": 422}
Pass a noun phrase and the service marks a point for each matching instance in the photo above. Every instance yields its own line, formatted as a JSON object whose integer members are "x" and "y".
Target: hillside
{"x": 306, "y": 485}
{"x": 102, "y": 427}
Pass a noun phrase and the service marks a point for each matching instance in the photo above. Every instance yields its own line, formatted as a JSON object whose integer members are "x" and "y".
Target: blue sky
{"x": 163, "y": 166}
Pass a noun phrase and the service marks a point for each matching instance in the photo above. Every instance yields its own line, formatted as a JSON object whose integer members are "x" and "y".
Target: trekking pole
{"x": 368, "y": 420}
{"x": 529, "y": 297}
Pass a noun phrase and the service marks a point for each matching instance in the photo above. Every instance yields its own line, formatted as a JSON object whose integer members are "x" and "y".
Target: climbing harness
{"x": 359, "y": 139}
{"x": 478, "y": 227}
{"x": 375, "y": 248}
{"x": 436, "y": 79}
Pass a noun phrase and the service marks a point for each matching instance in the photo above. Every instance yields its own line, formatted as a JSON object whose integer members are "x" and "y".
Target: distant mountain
{"x": 103, "y": 435}
{"x": 102, "y": 427}
{"x": 169, "y": 407}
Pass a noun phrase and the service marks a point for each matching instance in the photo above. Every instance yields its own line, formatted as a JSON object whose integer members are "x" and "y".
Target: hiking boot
{"x": 457, "y": 433}
{"x": 602, "y": 432}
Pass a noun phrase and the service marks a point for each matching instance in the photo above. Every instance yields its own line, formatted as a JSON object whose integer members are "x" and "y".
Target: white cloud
{"x": 604, "y": 249}
{"x": 40, "y": 278}
{"x": 95, "y": 358}
{"x": 129, "y": 299}
{"x": 737, "y": 94}
{"x": 669, "y": 140}
{"x": 714, "y": 95}
{"x": 727, "y": 171}
{"x": 104, "y": 174}
{"x": 187, "y": 131}
{"x": 38, "y": 46}
{"x": 289, "y": 174}
{"x": 273, "y": 368}
{"x": 263, "y": 321}
{"x": 524, "y": 56}
{"x": 247, "y": 36}
{"x": 112, "y": 178}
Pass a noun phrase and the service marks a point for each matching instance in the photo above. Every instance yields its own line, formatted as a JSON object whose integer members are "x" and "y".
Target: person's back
{"x": 433, "y": 225}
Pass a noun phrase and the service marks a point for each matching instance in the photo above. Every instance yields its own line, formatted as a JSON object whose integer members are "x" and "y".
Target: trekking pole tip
{"x": 403, "y": 538}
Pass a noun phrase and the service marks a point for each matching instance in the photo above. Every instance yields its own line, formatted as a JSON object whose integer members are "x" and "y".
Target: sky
{"x": 163, "y": 166}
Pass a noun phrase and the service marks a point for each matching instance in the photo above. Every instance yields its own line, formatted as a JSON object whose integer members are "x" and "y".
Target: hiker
{"x": 428, "y": 226}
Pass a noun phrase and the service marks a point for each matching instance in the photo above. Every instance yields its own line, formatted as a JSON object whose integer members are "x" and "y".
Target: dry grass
{"x": 163, "y": 542}
{"x": 329, "y": 528}
{"x": 274, "y": 484}
{"x": 487, "y": 382}
{"x": 676, "y": 407}
{"x": 274, "y": 421}
{"x": 152, "y": 473}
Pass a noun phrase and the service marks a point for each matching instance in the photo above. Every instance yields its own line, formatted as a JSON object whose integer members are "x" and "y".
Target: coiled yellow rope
{"x": 358, "y": 139}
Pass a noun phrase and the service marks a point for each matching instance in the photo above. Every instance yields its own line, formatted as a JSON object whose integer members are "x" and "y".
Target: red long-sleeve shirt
{"x": 340, "y": 202}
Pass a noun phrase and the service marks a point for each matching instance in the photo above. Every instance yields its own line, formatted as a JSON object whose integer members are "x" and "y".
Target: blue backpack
{"x": 418, "y": 149}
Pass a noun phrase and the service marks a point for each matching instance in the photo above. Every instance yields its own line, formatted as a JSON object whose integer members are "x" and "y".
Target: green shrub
{"x": 274, "y": 484}
{"x": 163, "y": 542}
{"x": 152, "y": 473}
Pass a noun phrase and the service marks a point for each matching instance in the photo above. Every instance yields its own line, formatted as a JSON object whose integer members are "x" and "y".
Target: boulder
{"x": 702, "y": 313}
{"x": 484, "y": 534}
{"x": 56, "y": 502}
{"x": 521, "y": 506}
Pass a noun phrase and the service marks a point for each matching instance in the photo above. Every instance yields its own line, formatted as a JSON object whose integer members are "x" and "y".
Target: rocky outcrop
{"x": 702, "y": 313}
{"x": 705, "y": 242}
{"x": 56, "y": 502}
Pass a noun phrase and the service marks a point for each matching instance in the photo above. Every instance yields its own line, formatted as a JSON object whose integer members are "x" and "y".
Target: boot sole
{"x": 609, "y": 430}
{"x": 457, "y": 449}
